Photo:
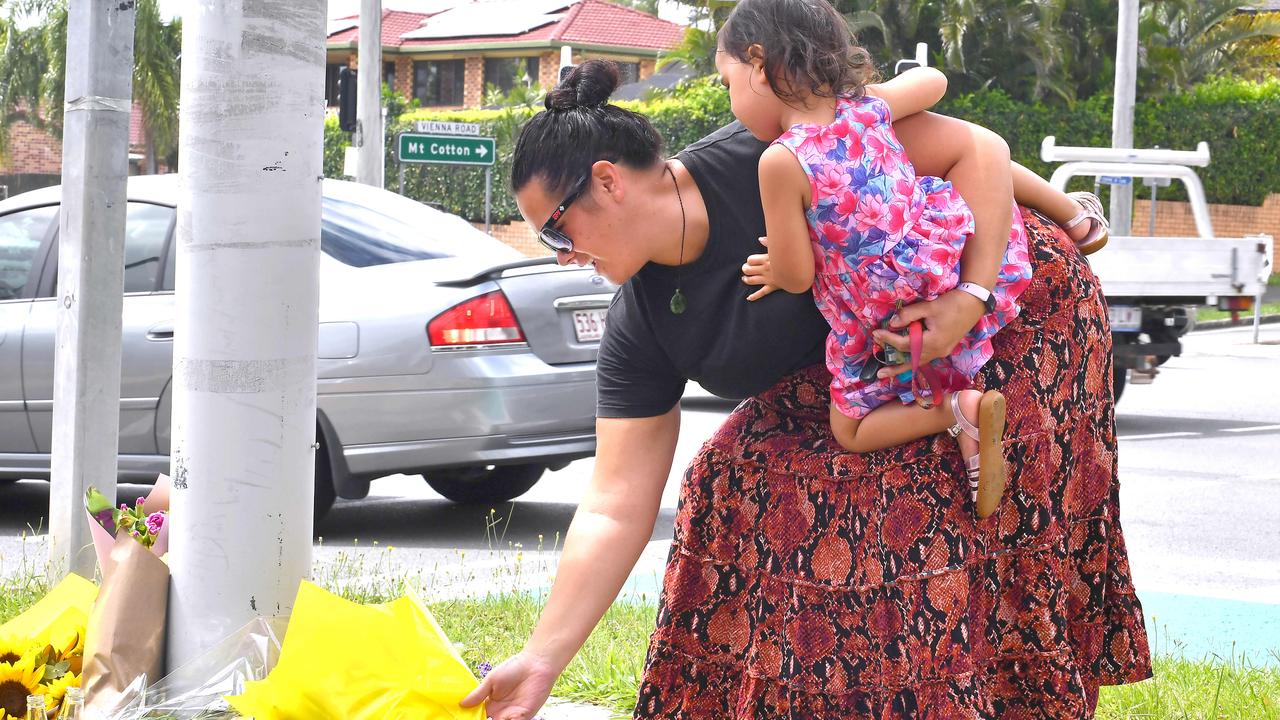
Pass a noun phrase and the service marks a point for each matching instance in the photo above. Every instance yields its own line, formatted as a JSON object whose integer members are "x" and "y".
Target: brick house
{"x": 35, "y": 156}
{"x": 445, "y": 59}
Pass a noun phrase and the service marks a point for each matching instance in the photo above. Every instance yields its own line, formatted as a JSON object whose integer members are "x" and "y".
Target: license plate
{"x": 1125, "y": 318}
{"x": 588, "y": 325}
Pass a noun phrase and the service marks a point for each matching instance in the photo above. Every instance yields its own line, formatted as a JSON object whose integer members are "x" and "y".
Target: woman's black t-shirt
{"x": 732, "y": 347}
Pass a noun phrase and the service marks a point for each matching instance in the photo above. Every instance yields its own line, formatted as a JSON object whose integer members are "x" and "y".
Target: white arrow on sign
{"x": 482, "y": 151}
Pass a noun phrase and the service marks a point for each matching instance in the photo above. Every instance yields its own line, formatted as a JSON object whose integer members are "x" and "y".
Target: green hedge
{"x": 1239, "y": 120}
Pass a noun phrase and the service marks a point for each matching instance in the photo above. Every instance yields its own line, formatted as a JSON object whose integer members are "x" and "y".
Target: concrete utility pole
{"x": 1122, "y": 112}
{"x": 372, "y": 147}
{"x": 244, "y": 368}
{"x": 86, "y": 388}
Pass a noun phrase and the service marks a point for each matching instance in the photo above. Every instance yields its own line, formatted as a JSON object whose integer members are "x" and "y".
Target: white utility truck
{"x": 1154, "y": 284}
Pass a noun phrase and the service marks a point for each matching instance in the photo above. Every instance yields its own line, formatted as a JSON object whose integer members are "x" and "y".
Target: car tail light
{"x": 1235, "y": 303}
{"x": 484, "y": 320}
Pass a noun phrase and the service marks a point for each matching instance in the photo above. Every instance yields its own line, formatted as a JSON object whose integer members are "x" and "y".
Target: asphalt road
{"x": 1200, "y": 499}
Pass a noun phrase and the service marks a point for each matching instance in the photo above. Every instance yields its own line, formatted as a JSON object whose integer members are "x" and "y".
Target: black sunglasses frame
{"x": 552, "y": 238}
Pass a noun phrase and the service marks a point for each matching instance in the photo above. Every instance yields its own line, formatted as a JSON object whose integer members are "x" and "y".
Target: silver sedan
{"x": 442, "y": 351}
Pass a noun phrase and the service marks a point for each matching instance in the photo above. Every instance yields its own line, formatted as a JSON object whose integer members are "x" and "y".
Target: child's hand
{"x": 946, "y": 321}
{"x": 757, "y": 271}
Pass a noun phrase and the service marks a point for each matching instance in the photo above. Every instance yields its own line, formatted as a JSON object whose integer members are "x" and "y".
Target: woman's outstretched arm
{"x": 613, "y": 523}
{"x": 976, "y": 161}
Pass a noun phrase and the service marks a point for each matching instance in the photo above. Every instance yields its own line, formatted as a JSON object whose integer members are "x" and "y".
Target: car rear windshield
{"x": 362, "y": 226}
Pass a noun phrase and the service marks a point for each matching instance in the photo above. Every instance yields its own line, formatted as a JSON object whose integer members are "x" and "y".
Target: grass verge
{"x": 1203, "y": 314}
{"x": 607, "y": 671}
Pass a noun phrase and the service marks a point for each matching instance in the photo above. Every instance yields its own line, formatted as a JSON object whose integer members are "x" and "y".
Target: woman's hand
{"x": 946, "y": 321}
{"x": 757, "y": 271}
{"x": 516, "y": 689}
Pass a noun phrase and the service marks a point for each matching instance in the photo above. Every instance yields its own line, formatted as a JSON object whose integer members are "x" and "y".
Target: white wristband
{"x": 976, "y": 290}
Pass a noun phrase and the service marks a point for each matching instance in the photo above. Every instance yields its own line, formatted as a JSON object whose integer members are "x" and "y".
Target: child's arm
{"x": 784, "y": 194}
{"x": 1034, "y": 191}
{"x": 913, "y": 91}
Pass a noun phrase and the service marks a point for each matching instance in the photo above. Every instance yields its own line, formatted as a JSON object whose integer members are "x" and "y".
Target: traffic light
{"x": 347, "y": 99}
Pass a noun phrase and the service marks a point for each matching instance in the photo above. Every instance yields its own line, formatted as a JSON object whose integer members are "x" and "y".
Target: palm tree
{"x": 890, "y": 29}
{"x": 23, "y": 63}
{"x": 157, "y": 46}
{"x": 33, "y": 72}
{"x": 698, "y": 48}
{"x": 1016, "y": 45}
{"x": 1188, "y": 41}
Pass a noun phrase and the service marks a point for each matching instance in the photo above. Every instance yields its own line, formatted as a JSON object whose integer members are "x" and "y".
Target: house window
{"x": 506, "y": 72}
{"x": 438, "y": 82}
{"x": 389, "y": 75}
{"x": 628, "y": 72}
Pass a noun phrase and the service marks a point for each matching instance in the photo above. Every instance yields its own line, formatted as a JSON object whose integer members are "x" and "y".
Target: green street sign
{"x": 446, "y": 149}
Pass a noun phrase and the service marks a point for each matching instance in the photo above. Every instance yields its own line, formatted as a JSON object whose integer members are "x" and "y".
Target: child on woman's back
{"x": 846, "y": 214}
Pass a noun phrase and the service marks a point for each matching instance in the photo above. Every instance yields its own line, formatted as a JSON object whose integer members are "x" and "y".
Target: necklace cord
{"x": 678, "y": 303}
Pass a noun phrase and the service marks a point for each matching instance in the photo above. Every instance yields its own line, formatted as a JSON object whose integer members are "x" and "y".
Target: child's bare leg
{"x": 895, "y": 424}
{"x": 1034, "y": 191}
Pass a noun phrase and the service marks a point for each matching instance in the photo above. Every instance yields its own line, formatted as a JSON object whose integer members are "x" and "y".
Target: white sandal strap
{"x": 962, "y": 423}
{"x": 1079, "y": 218}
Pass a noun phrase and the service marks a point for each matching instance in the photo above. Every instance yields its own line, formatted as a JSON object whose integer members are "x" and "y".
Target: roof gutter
{"x": 513, "y": 45}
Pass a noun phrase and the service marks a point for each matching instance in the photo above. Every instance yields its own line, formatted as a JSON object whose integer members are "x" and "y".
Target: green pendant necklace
{"x": 678, "y": 303}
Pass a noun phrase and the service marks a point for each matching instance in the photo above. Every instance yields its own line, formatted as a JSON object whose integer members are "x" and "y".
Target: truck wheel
{"x": 325, "y": 493}
{"x": 1119, "y": 377}
{"x": 484, "y": 483}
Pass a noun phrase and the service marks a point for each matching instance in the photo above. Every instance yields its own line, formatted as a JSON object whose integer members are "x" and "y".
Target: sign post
{"x": 450, "y": 144}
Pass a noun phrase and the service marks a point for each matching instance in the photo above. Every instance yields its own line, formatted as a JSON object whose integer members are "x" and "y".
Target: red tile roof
{"x": 587, "y": 22}
{"x": 595, "y": 22}
{"x": 394, "y": 24}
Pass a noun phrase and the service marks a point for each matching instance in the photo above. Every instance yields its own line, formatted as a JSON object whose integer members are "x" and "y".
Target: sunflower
{"x": 17, "y": 681}
{"x": 68, "y": 645}
{"x": 13, "y": 649}
{"x": 57, "y": 689}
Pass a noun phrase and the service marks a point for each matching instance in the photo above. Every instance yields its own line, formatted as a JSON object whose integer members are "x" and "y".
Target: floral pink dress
{"x": 882, "y": 236}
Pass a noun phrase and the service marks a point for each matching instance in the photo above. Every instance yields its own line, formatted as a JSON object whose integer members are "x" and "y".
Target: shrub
{"x": 1240, "y": 121}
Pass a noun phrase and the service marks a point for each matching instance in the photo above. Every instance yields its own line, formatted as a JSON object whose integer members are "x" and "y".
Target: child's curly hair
{"x": 807, "y": 46}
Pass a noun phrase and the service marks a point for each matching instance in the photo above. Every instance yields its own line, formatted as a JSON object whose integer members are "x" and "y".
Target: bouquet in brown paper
{"x": 124, "y": 643}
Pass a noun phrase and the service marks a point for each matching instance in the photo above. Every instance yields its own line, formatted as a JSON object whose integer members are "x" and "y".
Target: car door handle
{"x": 160, "y": 333}
{"x": 583, "y": 302}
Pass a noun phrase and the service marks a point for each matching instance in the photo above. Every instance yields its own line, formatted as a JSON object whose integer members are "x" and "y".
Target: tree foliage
{"x": 33, "y": 66}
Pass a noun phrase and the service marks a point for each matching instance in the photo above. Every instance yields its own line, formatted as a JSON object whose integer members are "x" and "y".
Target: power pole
{"x": 86, "y": 389}
{"x": 369, "y": 134}
{"x": 244, "y": 368}
{"x": 1122, "y": 112}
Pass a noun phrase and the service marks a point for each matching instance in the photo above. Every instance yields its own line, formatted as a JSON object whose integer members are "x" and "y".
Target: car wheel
{"x": 7, "y": 481}
{"x": 325, "y": 493}
{"x": 484, "y": 483}
{"x": 1119, "y": 376}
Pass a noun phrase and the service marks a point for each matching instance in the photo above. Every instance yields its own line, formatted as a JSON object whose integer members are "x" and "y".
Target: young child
{"x": 846, "y": 214}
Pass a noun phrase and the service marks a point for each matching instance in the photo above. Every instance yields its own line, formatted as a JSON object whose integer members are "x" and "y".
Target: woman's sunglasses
{"x": 552, "y": 238}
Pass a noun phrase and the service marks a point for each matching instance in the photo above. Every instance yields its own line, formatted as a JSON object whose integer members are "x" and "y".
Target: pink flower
{"x": 834, "y": 232}
{"x": 871, "y": 212}
{"x": 831, "y": 178}
{"x": 817, "y": 144}
{"x": 896, "y": 219}
{"x": 880, "y": 150}
{"x": 846, "y": 203}
{"x": 155, "y": 521}
{"x": 867, "y": 118}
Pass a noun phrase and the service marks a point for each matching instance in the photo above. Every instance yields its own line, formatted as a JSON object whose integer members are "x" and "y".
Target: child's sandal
{"x": 986, "y": 470}
{"x": 1090, "y": 210}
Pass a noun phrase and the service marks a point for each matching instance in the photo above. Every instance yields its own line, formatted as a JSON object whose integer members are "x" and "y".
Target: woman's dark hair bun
{"x": 587, "y": 85}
